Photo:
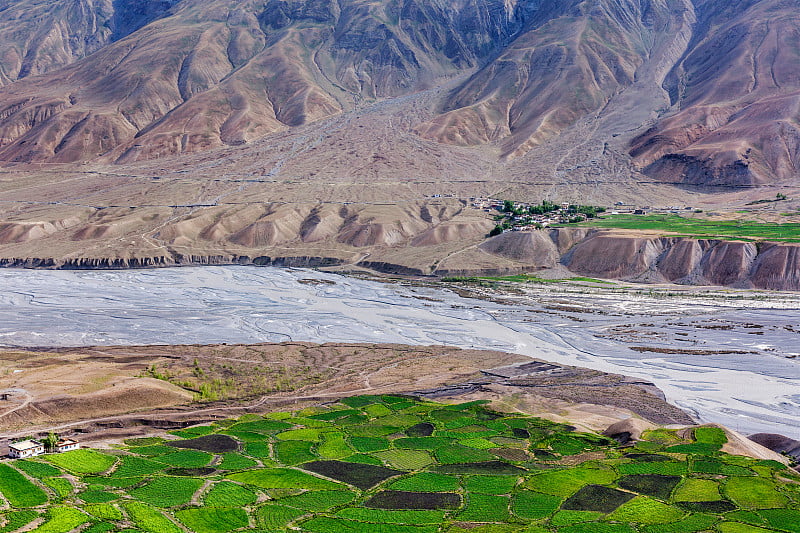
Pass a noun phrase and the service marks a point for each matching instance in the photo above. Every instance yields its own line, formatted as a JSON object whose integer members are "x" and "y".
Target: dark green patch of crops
{"x": 400, "y": 499}
{"x": 362, "y": 476}
{"x": 596, "y": 498}
{"x": 654, "y": 485}
{"x": 521, "y": 433}
{"x": 486, "y": 467}
{"x": 190, "y": 472}
{"x": 423, "y": 429}
{"x": 719, "y": 506}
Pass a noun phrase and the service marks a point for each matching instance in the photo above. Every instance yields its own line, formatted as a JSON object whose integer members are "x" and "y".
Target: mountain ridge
{"x": 688, "y": 92}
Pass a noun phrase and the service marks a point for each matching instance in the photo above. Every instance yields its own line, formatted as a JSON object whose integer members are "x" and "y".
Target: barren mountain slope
{"x": 219, "y": 72}
{"x": 694, "y": 92}
{"x": 736, "y": 96}
{"x": 40, "y": 36}
{"x": 569, "y": 63}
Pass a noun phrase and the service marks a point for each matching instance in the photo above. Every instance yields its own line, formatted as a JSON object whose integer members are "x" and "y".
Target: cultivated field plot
{"x": 703, "y": 228}
{"x": 396, "y": 464}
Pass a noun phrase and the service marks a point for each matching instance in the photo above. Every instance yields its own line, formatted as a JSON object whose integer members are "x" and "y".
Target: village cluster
{"x": 523, "y": 216}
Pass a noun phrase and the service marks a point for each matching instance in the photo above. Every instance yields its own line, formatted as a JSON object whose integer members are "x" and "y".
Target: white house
{"x": 65, "y": 445}
{"x": 25, "y": 448}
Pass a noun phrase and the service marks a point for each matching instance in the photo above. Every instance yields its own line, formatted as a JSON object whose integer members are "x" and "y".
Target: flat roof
{"x": 25, "y": 445}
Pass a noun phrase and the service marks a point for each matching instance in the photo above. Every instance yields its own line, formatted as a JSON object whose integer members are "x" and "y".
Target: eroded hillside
{"x": 687, "y": 91}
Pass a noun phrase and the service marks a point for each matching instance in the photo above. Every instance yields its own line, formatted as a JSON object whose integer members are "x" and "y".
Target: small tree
{"x": 50, "y": 442}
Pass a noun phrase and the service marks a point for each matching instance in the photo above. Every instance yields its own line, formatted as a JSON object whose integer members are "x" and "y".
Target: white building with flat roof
{"x": 25, "y": 448}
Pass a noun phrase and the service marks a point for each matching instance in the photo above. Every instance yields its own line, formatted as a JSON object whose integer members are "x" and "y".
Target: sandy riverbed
{"x": 727, "y": 360}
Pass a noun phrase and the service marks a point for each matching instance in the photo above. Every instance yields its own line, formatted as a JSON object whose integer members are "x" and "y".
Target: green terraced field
{"x": 394, "y": 464}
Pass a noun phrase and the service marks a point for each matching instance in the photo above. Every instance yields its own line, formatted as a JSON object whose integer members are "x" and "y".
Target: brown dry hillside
{"x": 689, "y": 91}
{"x": 736, "y": 93}
{"x": 222, "y": 72}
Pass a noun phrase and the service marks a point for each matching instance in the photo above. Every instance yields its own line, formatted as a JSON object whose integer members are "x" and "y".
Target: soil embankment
{"x": 646, "y": 258}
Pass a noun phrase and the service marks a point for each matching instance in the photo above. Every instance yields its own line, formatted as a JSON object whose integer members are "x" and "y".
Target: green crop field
{"x": 83, "y": 461}
{"x": 18, "y": 490}
{"x": 394, "y": 464}
{"x": 213, "y": 519}
{"x": 61, "y": 520}
{"x": 702, "y": 227}
{"x": 167, "y": 491}
{"x": 228, "y": 494}
{"x": 37, "y": 469}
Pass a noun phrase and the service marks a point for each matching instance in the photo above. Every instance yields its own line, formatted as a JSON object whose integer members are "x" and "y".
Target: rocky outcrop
{"x": 107, "y": 263}
{"x": 778, "y": 443}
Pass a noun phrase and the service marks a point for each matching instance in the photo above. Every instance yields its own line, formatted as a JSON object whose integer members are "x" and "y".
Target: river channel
{"x": 734, "y": 363}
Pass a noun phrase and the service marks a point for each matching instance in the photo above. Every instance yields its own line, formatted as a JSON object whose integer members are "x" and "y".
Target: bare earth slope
{"x": 735, "y": 93}
{"x": 689, "y": 91}
{"x": 41, "y": 36}
{"x": 354, "y": 131}
{"x": 218, "y": 72}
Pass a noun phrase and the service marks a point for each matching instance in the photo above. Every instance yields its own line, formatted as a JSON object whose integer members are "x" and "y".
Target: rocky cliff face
{"x": 687, "y": 261}
{"x": 734, "y": 96}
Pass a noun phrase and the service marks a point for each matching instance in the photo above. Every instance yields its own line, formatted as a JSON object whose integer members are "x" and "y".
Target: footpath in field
{"x": 396, "y": 464}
